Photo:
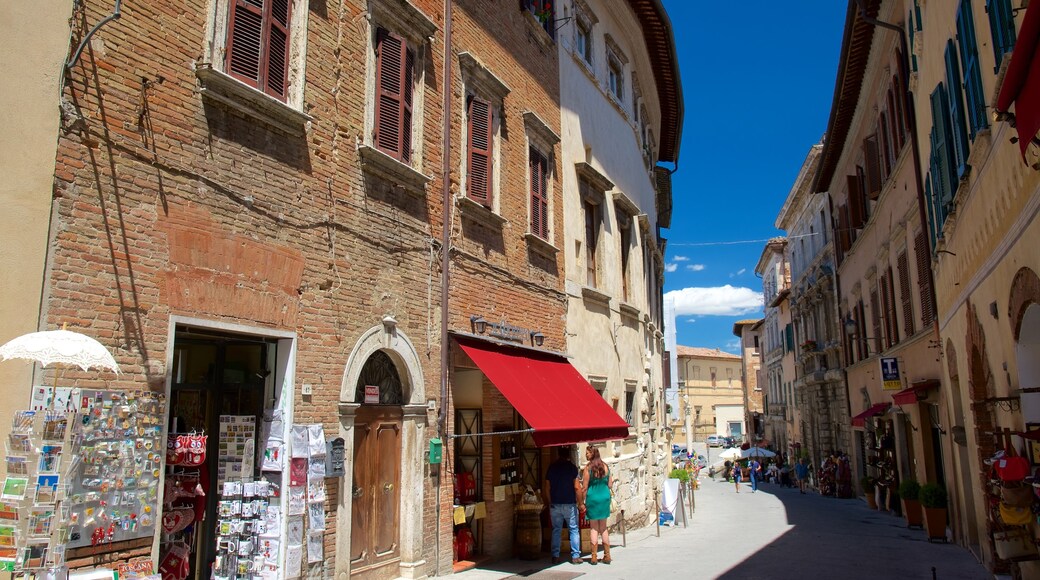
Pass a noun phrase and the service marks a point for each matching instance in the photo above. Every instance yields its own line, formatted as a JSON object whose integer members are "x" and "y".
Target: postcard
{"x": 14, "y": 487}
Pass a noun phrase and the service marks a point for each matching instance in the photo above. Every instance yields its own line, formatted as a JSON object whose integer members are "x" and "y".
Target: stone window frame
{"x": 585, "y": 19}
{"x": 400, "y": 17}
{"x": 217, "y": 84}
{"x": 615, "y": 57}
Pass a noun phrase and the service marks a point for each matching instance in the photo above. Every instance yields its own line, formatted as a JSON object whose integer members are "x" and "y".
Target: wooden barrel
{"x": 528, "y": 534}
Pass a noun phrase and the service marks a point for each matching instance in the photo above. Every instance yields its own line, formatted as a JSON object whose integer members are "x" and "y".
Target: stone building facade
{"x": 711, "y": 395}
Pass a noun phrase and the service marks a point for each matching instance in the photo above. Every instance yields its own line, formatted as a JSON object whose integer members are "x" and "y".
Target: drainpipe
{"x": 442, "y": 419}
{"x": 83, "y": 44}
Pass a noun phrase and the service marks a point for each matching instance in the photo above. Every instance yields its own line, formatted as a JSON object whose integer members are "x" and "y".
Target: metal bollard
{"x": 624, "y": 542}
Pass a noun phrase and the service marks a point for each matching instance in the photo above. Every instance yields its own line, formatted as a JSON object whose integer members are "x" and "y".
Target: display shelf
{"x": 505, "y": 459}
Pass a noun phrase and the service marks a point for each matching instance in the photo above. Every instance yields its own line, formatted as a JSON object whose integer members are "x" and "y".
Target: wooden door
{"x": 374, "y": 544}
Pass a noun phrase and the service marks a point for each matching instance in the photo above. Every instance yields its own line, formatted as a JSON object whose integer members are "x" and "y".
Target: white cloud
{"x": 718, "y": 301}
{"x": 671, "y": 267}
{"x": 695, "y": 267}
{"x": 681, "y": 259}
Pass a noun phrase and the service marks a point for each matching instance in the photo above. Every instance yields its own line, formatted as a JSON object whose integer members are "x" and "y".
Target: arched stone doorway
{"x": 1024, "y": 316}
{"x": 380, "y": 517}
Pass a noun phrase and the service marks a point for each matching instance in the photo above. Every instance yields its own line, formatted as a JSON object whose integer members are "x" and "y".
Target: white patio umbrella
{"x": 731, "y": 453}
{"x": 60, "y": 346}
{"x": 758, "y": 452}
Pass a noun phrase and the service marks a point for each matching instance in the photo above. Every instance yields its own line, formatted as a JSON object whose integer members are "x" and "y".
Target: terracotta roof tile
{"x": 701, "y": 352}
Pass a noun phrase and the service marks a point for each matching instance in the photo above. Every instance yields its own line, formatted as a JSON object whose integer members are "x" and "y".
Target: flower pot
{"x": 912, "y": 513}
{"x": 870, "y": 499}
{"x": 935, "y": 523}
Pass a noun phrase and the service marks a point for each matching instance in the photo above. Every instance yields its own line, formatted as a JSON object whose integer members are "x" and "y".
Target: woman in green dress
{"x": 597, "y": 483}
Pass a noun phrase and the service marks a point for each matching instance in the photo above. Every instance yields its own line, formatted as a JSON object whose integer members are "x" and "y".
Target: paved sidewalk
{"x": 775, "y": 533}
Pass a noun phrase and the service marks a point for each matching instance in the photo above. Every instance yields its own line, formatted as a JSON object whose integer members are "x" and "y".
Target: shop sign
{"x": 890, "y": 374}
{"x": 371, "y": 394}
{"x": 334, "y": 458}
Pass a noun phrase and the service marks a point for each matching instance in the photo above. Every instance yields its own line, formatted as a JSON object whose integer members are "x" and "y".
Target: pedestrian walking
{"x": 597, "y": 484}
{"x": 562, "y": 498}
{"x": 736, "y": 475}
{"x": 754, "y": 473}
{"x": 801, "y": 472}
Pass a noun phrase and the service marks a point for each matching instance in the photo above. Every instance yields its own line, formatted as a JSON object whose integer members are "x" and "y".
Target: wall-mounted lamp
{"x": 479, "y": 324}
{"x": 537, "y": 338}
{"x": 852, "y": 329}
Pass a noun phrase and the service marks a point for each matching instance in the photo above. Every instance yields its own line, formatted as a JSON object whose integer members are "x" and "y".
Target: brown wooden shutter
{"x": 857, "y": 219}
{"x": 276, "y": 55}
{"x": 861, "y": 331}
{"x": 843, "y": 232}
{"x": 924, "y": 278}
{"x": 875, "y": 318}
{"x": 245, "y": 41}
{"x": 406, "y": 107}
{"x": 873, "y": 166}
{"x": 539, "y": 202}
{"x": 903, "y": 265}
{"x": 891, "y": 318}
{"x": 391, "y": 59}
{"x": 886, "y": 146}
{"x": 480, "y": 141}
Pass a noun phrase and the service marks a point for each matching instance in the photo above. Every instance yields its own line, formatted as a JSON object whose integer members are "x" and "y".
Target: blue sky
{"x": 758, "y": 80}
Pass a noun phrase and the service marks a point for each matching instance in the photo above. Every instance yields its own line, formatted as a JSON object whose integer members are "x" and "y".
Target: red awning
{"x": 914, "y": 392}
{"x": 1021, "y": 84}
{"x": 877, "y": 409}
{"x": 548, "y": 392}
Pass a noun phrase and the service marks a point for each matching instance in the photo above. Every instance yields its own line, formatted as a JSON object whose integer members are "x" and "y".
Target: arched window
{"x": 380, "y": 371}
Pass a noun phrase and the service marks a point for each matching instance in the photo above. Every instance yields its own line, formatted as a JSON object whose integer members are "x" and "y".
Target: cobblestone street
{"x": 774, "y": 533}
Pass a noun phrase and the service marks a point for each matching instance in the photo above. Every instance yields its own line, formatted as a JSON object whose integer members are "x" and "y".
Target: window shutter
{"x": 390, "y": 69}
{"x": 539, "y": 202}
{"x": 885, "y": 140}
{"x": 861, "y": 331}
{"x": 843, "y": 232}
{"x": 913, "y": 30}
{"x": 958, "y": 132}
{"x": 899, "y": 93}
{"x": 1002, "y": 24}
{"x": 903, "y": 265}
{"x": 245, "y": 34}
{"x": 892, "y": 318}
{"x": 924, "y": 278}
{"x": 480, "y": 141}
{"x": 969, "y": 51}
{"x": 873, "y": 166}
{"x": 856, "y": 214}
{"x": 875, "y": 318}
{"x": 406, "y": 109}
{"x": 277, "y": 53}
{"x": 941, "y": 145}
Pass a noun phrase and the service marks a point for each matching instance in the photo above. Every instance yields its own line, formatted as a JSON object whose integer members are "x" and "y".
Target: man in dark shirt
{"x": 562, "y": 498}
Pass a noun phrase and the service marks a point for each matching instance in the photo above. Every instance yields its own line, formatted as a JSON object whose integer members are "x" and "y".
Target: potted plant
{"x": 909, "y": 493}
{"x": 933, "y": 500}
{"x": 867, "y": 483}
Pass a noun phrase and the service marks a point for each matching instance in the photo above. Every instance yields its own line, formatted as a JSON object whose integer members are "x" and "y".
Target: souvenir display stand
{"x": 84, "y": 475}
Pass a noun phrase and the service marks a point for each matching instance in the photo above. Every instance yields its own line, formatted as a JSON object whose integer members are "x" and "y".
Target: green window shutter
{"x": 968, "y": 45}
{"x": 945, "y": 176}
{"x": 1002, "y": 26}
{"x": 957, "y": 126}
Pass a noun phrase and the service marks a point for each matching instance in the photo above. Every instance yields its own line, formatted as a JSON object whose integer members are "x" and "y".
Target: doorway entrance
{"x": 214, "y": 375}
{"x": 375, "y": 551}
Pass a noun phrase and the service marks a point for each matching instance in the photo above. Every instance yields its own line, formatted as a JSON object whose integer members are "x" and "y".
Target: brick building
{"x": 258, "y": 206}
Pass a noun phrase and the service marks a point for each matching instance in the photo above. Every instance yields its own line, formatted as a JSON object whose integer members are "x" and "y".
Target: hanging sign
{"x": 890, "y": 374}
{"x": 371, "y": 394}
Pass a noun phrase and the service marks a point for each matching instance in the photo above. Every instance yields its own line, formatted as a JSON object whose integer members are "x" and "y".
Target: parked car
{"x": 715, "y": 440}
